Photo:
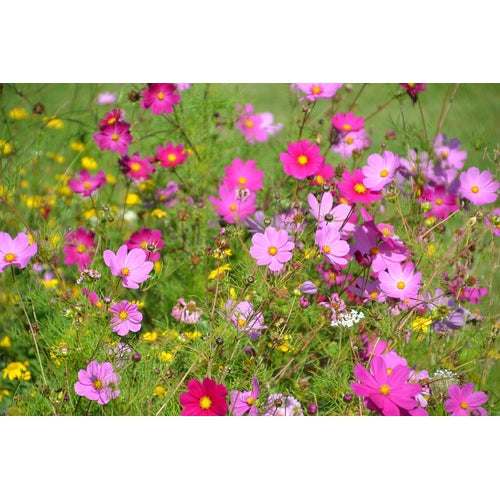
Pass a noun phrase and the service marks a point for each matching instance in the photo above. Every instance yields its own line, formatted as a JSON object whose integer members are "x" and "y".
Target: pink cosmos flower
{"x": 463, "y": 401}
{"x": 106, "y": 98}
{"x": 302, "y": 159}
{"x": 111, "y": 117}
{"x": 478, "y": 187}
{"x": 187, "y": 312}
{"x": 167, "y": 195}
{"x": 448, "y": 152}
{"x": 98, "y": 382}
{"x": 242, "y": 402}
{"x": 324, "y": 174}
{"x": 137, "y": 168}
{"x": 204, "y": 399}
{"x": 413, "y": 89}
{"x": 171, "y": 156}
{"x": 331, "y": 246}
{"x": 150, "y": 240}
{"x": 115, "y": 137}
{"x": 126, "y": 317}
{"x": 256, "y": 127}
{"x": 17, "y": 251}
{"x": 400, "y": 282}
{"x": 132, "y": 267}
{"x": 87, "y": 184}
{"x": 79, "y": 248}
{"x": 347, "y": 143}
{"x": 380, "y": 170}
{"x": 494, "y": 221}
{"x": 279, "y": 405}
{"x": 234, "y": 205}
{"x": 441, "y": 203}
{"x": 160, "y": 98}
{"x": 348, "y": 122}
{"x": 328, "y": 215}
{"x": 243, "y": 316}
{"x": 318, "y": 90}
{"x": 353, "y": 189}
{"x": 243, "y": 175}
{"x": 272, "y": 248}
{"x": 385, "y": 391}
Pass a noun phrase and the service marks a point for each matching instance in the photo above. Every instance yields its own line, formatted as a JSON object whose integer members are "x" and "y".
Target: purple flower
{"x": 132, "y": 267}
{"x": 243, "y": 402}
{"x": 126, "y": 317}
{"x": 98, "y": 382}
{"x": 272, "y": 248}
{"x": 478, "y": 187}
{"x": 243, "y": 316}
{"x": 463, "y": 401}
{"x": 17, "y": 251}
{"x": 308, "y": 287}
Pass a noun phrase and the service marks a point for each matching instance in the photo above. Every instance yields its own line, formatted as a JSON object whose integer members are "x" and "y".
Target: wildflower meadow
{"x": 303, "y": 249}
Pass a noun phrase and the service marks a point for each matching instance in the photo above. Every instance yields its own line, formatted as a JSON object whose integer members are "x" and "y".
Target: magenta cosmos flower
{"x": 302, "y": 159}
{"x": 464, "y": 401}
{"x": 126, "y": 317}
{"x": 87, "y": 184}
{"x": 413, "y": 89}
{"x": 400, "y": 282}
{"x": 160, "y": 98}
{"x": 150, "y": 240}
{"x": 272, "y": 248}
{"x": 98, "y": 382}
{"x": 331, "y": 246}
{"x": 234, "y": 205}
{"x": 17, "y": 251}
{"x": 244, "y": 401}
{"x": 347, "y": 122}
{"x": 115, "y": 137}
{"x": 380, "y": 170}
{"x": 354, "y": 190}
{"x": 204, "y": 399}
{"x": 243, "y": 175}
{"x": 385, "y": 390}
{"x": 79, "y": 248}
{"x": 137, "y": 168}
{"x": 441, "y": 203}
{"x": 171, "y": 156}
{"x": 132, "y": 267}
{"x": 478, "y": 187}
{"x": 318, "y": 90}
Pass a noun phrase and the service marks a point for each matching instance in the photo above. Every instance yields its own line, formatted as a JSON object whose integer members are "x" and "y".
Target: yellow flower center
{"x": 81, "y": 248}
{"x": 135, "y": 167}
{"x": 385, "y": 389}
{"x": 242, "y": 181}
{"x": 9, "y": 257}
{"x": 316, "y": 89}
{"x": 111, "y": 120}
{"x": 250, "y": 400}
{"x": 115, "y": 137}
{"x": 172, "y": 157}
{"x": 205, "y": 403}
{"x": 349, "y": 140}
{"x": 98, "y": 384}
{"x": 249, "y": 123}
{"x": 401, "y": 285}
{"x": 384, "y": 173}
{"x": 123, "y": 315}
{"x": 389, "y": 371}
{"x": 302, "y": 160}
{"x": 326, "y": 249}
{"x": 320, "y": 179}
{"x": 86, "y": 185}
{"x": 232, "y": 207}
{"x": 444, "y": 154}
{"x": 411, "y": 85}
{"x": 386, "y": 232}
{"x": 347, "y": 127}
{"x": 374, "y": 251}
{"x": 374, "y": 295}
{"x": 464, "y": 405}
{"x": 359, "y": 188}
{"x": 438, "y": 201}
{"x": 160, "y": 96}
{"x": 474, "y": 189}
{"x": 125, "y": 271}
{"x": 241, "y": 322}
{"x": 144, "y": 245}
{"x": 272, "y": 251}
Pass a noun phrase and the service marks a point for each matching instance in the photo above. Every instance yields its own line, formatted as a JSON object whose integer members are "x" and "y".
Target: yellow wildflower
{"x": 17, "y": 371}
{"x": 4, "y": 392}
{"x": 111, "y": 179}
{"x": 430, "y": 249}
{"x": 77, "y": 146}
{"x": 219, "y": 271}
{"x": 5, "y": 342}
{"x": 9, "y": 299}
{"x": 5, "y": 148}
{"x": 310, "y": 253}
{"x": 165, "y": 356}
{"x": 157, "y": 266}
{"x": 89, "y": 163}
{"x": 18, "y": 114}
{"x": 57, "y": 157}
{"x": 52, "y": 283}
{"x": 192, "y": 335}
{"x": 90, "y": 213}
{"x": 158, "y": 213}
{"x": 149, "y": 336}
{"x": 159, "y": 391}
{"x": 421, "y": 324}
{"x": 52, "y": 122}
{"x": 132, "y": 199}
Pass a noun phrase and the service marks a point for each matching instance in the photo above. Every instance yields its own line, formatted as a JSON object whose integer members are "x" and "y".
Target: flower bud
{"x": 312, "y": 409}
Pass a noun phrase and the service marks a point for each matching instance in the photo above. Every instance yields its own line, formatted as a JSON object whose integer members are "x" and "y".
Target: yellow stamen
{"x": 401, "y": 285}
{"x": 115, "y": 137}
{"x": 385, "y": 389}
{"x": 135, "y": 167}
{"x": 272, "y": 251}
{"x": 160, "y": 96}
{"x": 205, "y": 403}
{"x": 125, "y": 271}
{"x": 241, "y": 322}
{"x": 242, "y": 181}
{"x": 359, "y": 188}
{"x": 172, "y": 157}
{"x": 9, "y": 257}
{"x": 384, "y": 173}
{"x": 302, "y": 160}
{"x": 316, "y": 89}
{"x": 464, "y": 405}
{"x": 86, "y": 185}
{"x": 123, "y": 315}
{"x": 326, "y": 249}
{"x": 249, "y": 123}
{"x": 232, "y": 207}
{"x": 97, "y": 384}
{"x": 438, "y": 201}
{"x": 250, "y": 400}
{"x": 347, "y": 127}
{"x": 474, "y": 189}
{"x": 81, "y": 248}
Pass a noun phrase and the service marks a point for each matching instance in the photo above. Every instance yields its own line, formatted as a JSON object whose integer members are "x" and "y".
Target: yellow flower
{"x": 421, "y": 324}
{"x": 159, "y": 391}
{"x": 111, "y": 179}
{"x": 132, "y": 199}
{"x": 5, "y": 342}
{"x": 221, "y": 254}
{"x": 310, "y": 253}
{"x": 4, "y": 392}
{"x": 9, "y": 299}
{"x": 77, "y": 146}
{"x": 18, "y": 114}
{"x": 165, "y": 356}
{"x": 192, "y": 335}
{"x": 149, "y": 336}
{"x": 158, "y": 213}
{"x": 17, "y": 371}
{"x": 430, "y": 250}
{"x": 90, "y": 213}
{"x": 157, "y": 266}
{"x": 147, "y": 185}
{"x": 49, "y": 283}
{"x": 219, "y": 271}
{"x": 138, "y": 303}
{"x": 57, "y": 157}
{"x": 5, "y": 148}
{"x": 52, "y": 122}
{"x": 89, "y": 163}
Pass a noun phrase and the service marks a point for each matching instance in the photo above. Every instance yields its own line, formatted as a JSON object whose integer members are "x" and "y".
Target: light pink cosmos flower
{"x": 331, "y": 246}
{"x": 87, "y": 184}
{"x": 79, "y": 248}
{"x": 347, "y": 143}
{"x": 234, "y": 205}
{"x": 272, "y": 248}
{"x": 132, "y": 267}
{"x": 494, "y": 221}
{"x": 98, "y": 382}
{"x": 448, "y": 152}
{"x": 126, "y": 317}
{"x": 160, "y": 98}
{"x": 186, "y": 312}
{"x": 150, "y": 240}
{"x": 256, "y": 127}
{"x": 137, "y": 168}
{"x": 106, "y": 98}
{"x": 478, "y": 187}
{"x": 279, "y": 405}
{"x": 318, "y": 90}
{"x": 380, "y": 170}
{"x": 243, "y": 316}
{"x": 171, "y": 156}
{"x": 328, "y": 215}
{"x": 16, "y": 252}
{"x": 385, "y": 391}
{"x": 353, "y": 189}
{"x": 243, "y": 175}
{"x": 464, "y": 401}
{"x": 115, "y": 137}
{"x": 400, "y": 282}
{"x": 302, "y": 159}
{"x": 242, "y": 402}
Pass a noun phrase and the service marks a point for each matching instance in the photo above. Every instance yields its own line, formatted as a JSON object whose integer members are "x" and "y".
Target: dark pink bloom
{"x": 413, "y": 89}
{"x": 234, "y": 205}
{"x": 386, "y": 391}
{"x": 400, "y": 282}
{"x": 272, "y": 248}
{"x": 87, "y": 184}
{"x": 380, "y": 170}
{"x": 352, "y": 188}
{"x": 243, "y": 175}
{"x": 160, "y": 98}
{"x": 348, "y": 122}
{"x": 318, "y": 90}
{"x": 464, "y": 401}
{"x": 171, "y": 156}
{"x": 98, "y": 382}
{"x": 16, "y": 252}
{"x": 302, "y": 159}
{"x": 204, "y": 399}
{"x": 150, "y": 240}
{"x": 137, "y": 168}
{"x": 325, "y": 173}
{"x": 478, "y": 187}
{"x": 115, "y": 137}
{"x": 331, "y": 246}
{"x": 441, "y": 203}
{"x": 494, "y": 221}
{"x": 126, "y": 317}
{"x": 112, "y": 117}
{"x": 132, "y": 267}
{"x": 244, "y": 401}
{"x": 79, "y": 248}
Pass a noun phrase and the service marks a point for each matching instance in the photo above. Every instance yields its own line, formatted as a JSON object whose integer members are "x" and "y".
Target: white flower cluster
{"x": 348, "y": 318}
